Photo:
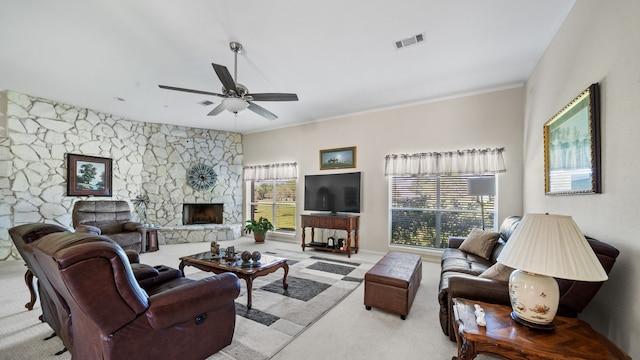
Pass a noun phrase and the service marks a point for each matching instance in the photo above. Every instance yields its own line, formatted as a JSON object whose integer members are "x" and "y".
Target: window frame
{"x": 439, "y": 210}
{"x": 252, "y": 205}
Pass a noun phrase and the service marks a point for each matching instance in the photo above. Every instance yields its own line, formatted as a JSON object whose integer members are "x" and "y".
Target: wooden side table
{"x": 152, "y": 239}
{"x": 571, "y": 339}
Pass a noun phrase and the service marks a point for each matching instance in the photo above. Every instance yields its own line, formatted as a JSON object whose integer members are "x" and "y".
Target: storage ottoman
{"x": 392, "y": 283}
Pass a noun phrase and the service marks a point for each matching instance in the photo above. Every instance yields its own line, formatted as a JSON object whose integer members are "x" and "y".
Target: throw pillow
{"x": 497, "y": 272}
{"x": 480, "y": 242}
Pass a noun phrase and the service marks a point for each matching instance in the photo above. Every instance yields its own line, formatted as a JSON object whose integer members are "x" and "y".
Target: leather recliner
{"x": 24, "y": 237}
{"x": 55, "y": 311}
{"x": 111, "y": 218}
{"x": 114, "y": 318}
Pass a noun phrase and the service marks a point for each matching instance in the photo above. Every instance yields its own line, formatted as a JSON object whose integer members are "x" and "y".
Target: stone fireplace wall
{"x": 148, "y": 158}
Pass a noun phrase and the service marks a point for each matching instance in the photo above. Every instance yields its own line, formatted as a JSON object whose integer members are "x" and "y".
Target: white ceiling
{"x": 337, "y": 55}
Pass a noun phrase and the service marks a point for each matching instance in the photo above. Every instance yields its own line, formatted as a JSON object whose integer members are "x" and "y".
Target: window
{"x": 276, "y": 201}
{"x": 425, "y": 211}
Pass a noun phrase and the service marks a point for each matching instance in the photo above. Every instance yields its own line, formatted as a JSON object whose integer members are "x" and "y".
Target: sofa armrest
{"x": 133, "y": 256}
{"x": 472, "y": 288}
{"x": 139, "y": 227}
{"x": 88, "y": 229}
{"x": 132, "y": 226}
{"x": 186, "y": 302}
{"x": 480, "y": 289}
{"x": 456, "y": 241}
{"x": 142, "y": 272}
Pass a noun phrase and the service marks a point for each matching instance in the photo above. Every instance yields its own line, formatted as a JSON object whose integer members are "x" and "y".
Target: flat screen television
{"x": 332, "y": 192}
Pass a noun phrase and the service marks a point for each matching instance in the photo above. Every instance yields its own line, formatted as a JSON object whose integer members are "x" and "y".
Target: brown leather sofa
{"x": 111, "y": 218}
{"x": 112, "y": 317}
{"x": 460, "y": 277}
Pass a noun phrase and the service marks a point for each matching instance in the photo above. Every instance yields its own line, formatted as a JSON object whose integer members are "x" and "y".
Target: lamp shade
{"x": 481, "y": 186}
{"x": 552, "y": 245}
{"x": 234, "y": 104}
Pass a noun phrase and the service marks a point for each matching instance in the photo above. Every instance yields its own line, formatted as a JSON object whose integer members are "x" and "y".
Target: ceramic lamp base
{"x": 534, "y": 298}
{"x": 544, "y": 327}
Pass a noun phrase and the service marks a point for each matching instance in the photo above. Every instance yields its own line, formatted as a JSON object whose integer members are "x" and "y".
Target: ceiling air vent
{"x": 205, "y": 103}
{"x": 410, "y": 41}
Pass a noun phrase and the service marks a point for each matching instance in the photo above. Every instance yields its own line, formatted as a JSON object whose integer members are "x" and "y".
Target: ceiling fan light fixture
{"x": 236, "y": 97}
{"x": 234, "y": 105}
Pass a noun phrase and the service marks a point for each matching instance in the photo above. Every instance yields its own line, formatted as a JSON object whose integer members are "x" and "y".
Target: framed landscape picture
{"x": 340, "y": 158}
{"x": 572, "y": 147}
{"x": 88, "y": 175}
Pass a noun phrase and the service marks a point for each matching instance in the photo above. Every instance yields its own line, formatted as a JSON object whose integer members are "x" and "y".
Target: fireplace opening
{"x": 202, "y": 214}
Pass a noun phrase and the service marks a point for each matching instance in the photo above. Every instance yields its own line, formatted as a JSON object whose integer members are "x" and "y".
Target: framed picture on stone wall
{"x": 88, "y": 175}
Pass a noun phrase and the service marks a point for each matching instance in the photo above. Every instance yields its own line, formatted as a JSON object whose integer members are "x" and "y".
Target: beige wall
{"x": 599, "y": 42}
{"x": 480, "y": 121}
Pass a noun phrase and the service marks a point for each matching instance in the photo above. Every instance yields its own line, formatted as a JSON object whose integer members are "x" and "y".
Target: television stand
{"x": 349, "y": 223}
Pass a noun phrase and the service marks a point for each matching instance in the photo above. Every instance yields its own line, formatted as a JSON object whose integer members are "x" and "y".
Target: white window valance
{"x": 460, "y": 162}
{"x": 282, "y": 171}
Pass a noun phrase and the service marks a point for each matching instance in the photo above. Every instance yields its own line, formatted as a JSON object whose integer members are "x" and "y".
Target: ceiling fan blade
{"x": 189, "y": 90}
{"x": 217, "y": 110}
{"x": 261, "y": 111}
{"x": 273, "y": 97}
{"x": 225, "y": 77}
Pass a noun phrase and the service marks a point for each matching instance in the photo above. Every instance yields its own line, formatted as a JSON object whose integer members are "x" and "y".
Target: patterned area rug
{"x": 316, "y": 284}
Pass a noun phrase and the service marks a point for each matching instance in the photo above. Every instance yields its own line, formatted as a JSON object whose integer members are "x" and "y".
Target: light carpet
{"x": 346, "y": 331}
{"x": 21, "y": 333}
{"x": 316, "y": 284}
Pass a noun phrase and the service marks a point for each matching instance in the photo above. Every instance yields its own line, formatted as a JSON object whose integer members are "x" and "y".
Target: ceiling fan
{"x": 236, "y": 97}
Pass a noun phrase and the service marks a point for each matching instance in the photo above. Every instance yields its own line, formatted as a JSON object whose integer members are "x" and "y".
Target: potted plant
{"x": 259, "y": 228}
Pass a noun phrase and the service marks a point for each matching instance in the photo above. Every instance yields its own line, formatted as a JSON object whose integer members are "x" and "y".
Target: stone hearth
{"x": 199, "y": 233}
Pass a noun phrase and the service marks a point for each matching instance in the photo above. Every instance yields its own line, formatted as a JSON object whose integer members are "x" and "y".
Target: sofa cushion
{"x": 497, "y": 271}
{"x": 455, "y": 260}
{"x": 497, "y": 250}
{"x": 508, "y": 226}
{"x": 480, "y": 242}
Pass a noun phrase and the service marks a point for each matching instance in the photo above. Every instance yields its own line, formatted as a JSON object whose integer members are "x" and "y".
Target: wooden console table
{"x": 571, "y": 339}
{"x": 337, "y": 222}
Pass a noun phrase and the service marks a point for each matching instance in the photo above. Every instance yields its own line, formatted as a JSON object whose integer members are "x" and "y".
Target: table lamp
{"x": 481, "y": 187}
{"x": 544, "y": 247}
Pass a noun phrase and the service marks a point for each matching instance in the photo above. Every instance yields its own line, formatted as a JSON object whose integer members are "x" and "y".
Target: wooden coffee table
{"x": 245, "y": 270}
{"x": 571, "y": 339}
